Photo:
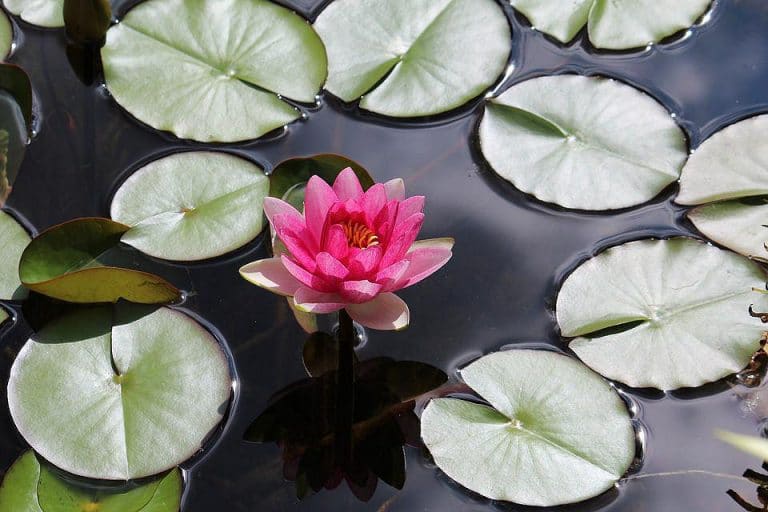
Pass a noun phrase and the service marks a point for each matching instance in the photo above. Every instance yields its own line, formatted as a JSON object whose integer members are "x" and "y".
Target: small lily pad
{"x": 410, "y": 58}
{"x": 727, "y": 176}
{"x": 30, "y": 487}
{"x": 296, "y": 171}
{"x": 663, "y": 313}
{"x": 192, "y": 206}
{"x": 614, "y": 24}
{"x": 119, "y": 392}
{"x": 586, "y": 143}
{"x": 6, "y": 35}
{"x": 216, "y": 74}
{"x": 554, "y": 433}
{"x": 3, "y": 316}
{"x": 67, "y": 262}
{"x": 43, "y": 13}
{"x": 13, "y": 240}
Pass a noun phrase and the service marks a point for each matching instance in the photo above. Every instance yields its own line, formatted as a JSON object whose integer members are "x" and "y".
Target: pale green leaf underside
{"x": 6, "y": 35}
{"x": 729, "y": 166}
{"x": 13, "y": 241}
{"x": 410, "y": 58}
{"x": 581, "y": 142}
{"x": 613, "y": 24}
{"x": 192, "y": 206}
{"x": 71, "y": 407}
{"x": 753, "y": 445}
{"x": 680, "y": 309}
{"x": 28, "y": 487}
{"x": 213, "y": 70}
{"x": 558, "y": 433}
{"x": 45, "y": 13}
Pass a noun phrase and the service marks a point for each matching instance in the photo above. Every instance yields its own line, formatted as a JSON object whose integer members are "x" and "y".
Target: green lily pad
{"x": 192, "y": 206}
{"x": 663, "y": 313}
{"x": 728, "y": 177}
{"x": 6, "y": 35}
{"x": 13, "y": 240}
{"x": 108, "y": 393}
{"x": 4, "y": 316}
{"x": 585, "y": 143}
{"x": 68, "y": 262}
{"x": 410, "y": 58}
{"x": 554, "y": 433}
{"x": 87, "y": 21}
{"x": 216, "y": 74}
{"x": 30, "y": 487}
{"x": 614, "y": 24}
{"x": 44, "y": 13}
{"x": 296, "y": 171}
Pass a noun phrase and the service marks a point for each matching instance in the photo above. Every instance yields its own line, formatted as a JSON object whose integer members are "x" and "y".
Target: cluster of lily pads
{"x": 650, "y": 313}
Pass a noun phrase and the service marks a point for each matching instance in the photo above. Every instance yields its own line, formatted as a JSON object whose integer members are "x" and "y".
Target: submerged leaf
{"x": 13, "y": 143}
{"x": 581, "y": 142}
{"x": 13, "y": 240}
{"x": 44, "y": 13}
{"x": 663, "y": 313}
{"x": 614, "y": 24}
{"x": 192, "y": 206}
{"x": 154, "y": 386}
{"x": 67, "y": 262}
{"x": 15, "y": 81}
{"x": 409, "y": 58}
{"x": 87, "y": 21}
{"x": 727, "y": 178}
{"x": 296, "y": 171}
{"x": 218, "y": 71}
{"x": 30, "y": 487}
{"x": 554, "y": 433}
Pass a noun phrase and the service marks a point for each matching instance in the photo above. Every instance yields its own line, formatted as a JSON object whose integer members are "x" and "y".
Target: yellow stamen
{"x": 359, "y": 235}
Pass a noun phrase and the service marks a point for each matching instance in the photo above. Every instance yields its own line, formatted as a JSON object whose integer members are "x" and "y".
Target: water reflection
{"x": 330, "y": 433}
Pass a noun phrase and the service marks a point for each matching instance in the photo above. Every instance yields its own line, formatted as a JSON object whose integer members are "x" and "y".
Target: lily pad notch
{"x": 413, "y": 58}
{"x": 217, "y": 74}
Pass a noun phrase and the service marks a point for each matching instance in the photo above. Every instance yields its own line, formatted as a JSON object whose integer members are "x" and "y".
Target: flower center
{"x": 359, "y": 235}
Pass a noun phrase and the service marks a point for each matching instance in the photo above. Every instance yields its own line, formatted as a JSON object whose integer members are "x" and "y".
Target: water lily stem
{"x": 687, "y": 472}
{"x": 345, "y": 388}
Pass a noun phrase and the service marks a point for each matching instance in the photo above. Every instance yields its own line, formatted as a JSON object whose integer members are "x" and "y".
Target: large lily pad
{"x": 614, "y": 24}
{"x": 44, "y": 13}
{"x": 554, "y": 433}
{"x": 6, "y": 35}
{"x": 69, "y": 262}
{"x": 663, "y": 313}
{"x": 30, "y": 487}
{"x": 192, "y": 206}
{"x": 586, "y": 143}
{"x": 107, "y": 393}
{"x": 13, "y": 240}
{"x": 410, "y": 58}
{"x": 728, "y": 176}
{"x": 218, "y": 71}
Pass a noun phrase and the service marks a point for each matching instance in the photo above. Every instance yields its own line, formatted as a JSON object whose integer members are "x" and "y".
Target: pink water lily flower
{"x": 350, "y": 249}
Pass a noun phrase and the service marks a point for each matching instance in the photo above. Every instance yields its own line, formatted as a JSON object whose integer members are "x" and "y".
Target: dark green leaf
{"x": 16, "y": 81}
{"x": 87, "y": 21}
{"x": 292, "y": 172}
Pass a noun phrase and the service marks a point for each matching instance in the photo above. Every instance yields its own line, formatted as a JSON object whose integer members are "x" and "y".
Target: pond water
{"x": 512, "y": 253}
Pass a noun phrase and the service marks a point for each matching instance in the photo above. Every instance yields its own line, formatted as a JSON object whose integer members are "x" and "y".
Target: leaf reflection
{"x": 320, "y": 448}
{"x": 762, "y": 491}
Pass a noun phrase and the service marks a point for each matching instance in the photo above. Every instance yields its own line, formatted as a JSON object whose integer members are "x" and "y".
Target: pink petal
{"x": 335, "y": 242}
{"x": 317, "y": 201}
{"x": 410, "y": 206}
{"x": 312, "y": 301}
{"x": 305, "y": 277}
{"x": 297, "y": 247}
{"x": 271, "y": 275}
{"x": 356, "y": 292}
{"x": 372, "y": 202}
{"x": 347, "y": 186}
{"x": 274, "y": 207}
{"x": 403, "y": 236}
{"x": 395, "y": 189}
{"x": 330, "y": 267}
{"x": 425, "y": 258}
{"x": 389, "y": 277}
{"x": 386, "y": 312}
{"x": 363, "y": 264}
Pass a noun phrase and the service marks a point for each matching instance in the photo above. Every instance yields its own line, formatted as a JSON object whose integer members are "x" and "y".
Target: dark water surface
{"x": 512, "y": 252}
